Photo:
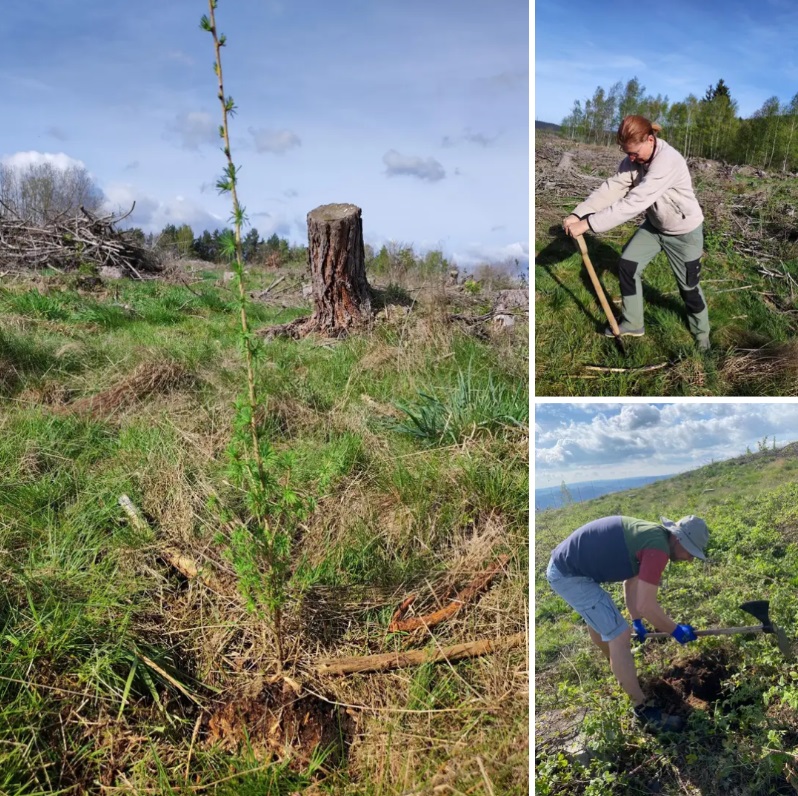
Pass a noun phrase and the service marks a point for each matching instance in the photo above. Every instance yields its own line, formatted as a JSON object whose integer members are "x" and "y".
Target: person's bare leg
{"x": 623, "y": 667}
{"x": 602, "y": 645}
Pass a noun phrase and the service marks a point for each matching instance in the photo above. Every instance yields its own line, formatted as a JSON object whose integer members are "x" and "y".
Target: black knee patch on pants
{"x": 693, "y": 301}
{"x": 626, "y": 276}
{"x": 693, "y": 269}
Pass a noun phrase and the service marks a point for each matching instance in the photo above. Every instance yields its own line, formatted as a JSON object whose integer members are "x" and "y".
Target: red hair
{"x": 635, "y": 130}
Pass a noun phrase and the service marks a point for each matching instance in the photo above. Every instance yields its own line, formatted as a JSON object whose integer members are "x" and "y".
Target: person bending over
{"x": 635, "y": 552}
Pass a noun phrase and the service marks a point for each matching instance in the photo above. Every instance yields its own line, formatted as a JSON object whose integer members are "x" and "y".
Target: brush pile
{"x": 66, "y": 243}
{"x": 747, "y": 210}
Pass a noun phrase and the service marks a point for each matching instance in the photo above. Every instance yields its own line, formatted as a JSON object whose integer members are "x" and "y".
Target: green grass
{"x": 106, "y": 648}
{"x": 472, "y": 408}
{"x": 569, "y": 325}
{"x": 745, "y": 738}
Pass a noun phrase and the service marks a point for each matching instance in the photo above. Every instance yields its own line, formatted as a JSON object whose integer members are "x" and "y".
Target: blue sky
{"x": 584, "y": 441}
{"x": 417, "y": 112}
{"x": 675, "y": 49}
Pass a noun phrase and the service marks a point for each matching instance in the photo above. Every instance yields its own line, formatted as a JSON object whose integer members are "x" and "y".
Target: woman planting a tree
{"x": 653, "y": 177}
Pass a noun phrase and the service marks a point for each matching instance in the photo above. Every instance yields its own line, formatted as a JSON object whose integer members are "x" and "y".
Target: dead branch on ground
{"x": 68, "y": 243}
{"x": 397, "y": 660}
{"x": 478, "y": 585}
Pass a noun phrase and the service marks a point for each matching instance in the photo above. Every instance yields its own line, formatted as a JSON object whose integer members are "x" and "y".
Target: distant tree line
{"x": 708, "y": 127}
{"x": 39, "y": 193}
{"x": 180, "y": 241}
{"x": 392, "y": 260}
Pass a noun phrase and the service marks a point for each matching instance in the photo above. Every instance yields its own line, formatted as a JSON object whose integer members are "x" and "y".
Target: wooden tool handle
{"x": 605, "y": 305}
{"x": 720, "y": 631}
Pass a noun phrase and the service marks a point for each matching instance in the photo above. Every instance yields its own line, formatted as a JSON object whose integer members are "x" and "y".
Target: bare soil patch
{"x": 692, "y": 684}
{"x": 274, "y": 721}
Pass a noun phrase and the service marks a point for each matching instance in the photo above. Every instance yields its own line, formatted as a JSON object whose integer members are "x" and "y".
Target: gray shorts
{"x": 590, "y": 601}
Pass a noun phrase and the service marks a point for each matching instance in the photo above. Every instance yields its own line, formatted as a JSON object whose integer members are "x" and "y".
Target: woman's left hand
{"x": 579, "y": 228}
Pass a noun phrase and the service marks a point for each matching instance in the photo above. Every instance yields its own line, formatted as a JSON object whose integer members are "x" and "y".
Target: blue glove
{"x": 684, "y": 633}
{"x": 640, "y": 629}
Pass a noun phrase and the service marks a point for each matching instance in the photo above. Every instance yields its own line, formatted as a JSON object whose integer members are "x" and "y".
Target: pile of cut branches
{"x": 67, "y": 243}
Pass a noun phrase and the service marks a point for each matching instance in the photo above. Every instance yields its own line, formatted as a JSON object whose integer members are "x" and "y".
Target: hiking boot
{"x": 702, "y": 343}
{"x": 652, "y": 718}
{"x": 625, "y": 331}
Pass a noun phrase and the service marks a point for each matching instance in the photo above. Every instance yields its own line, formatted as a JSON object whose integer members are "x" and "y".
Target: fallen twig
{"x": 399, "y": 613}
{"x": 733, "y": 289}
{"x": 261, "y": 293}
{"x": 643, "y": 369}
{"x": 480, "y": 583}
{"x": 398, "y": 660}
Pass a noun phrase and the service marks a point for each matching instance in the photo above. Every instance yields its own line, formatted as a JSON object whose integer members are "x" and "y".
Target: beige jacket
{"x": 662, "y": 188}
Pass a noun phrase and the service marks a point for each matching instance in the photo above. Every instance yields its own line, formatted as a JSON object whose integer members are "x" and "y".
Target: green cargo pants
{"x": 684, "y": 255}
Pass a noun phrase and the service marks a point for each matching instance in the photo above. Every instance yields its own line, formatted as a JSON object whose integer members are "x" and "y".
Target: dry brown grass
{"x": 147, "y": 379}
{"x": 406, "y": 748}
{"x": 763, "y": 366}
{"x": 291, "y": 417}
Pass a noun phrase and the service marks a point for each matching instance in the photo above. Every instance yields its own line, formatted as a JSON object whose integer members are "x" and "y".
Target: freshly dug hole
{"x": 694, "y": 683}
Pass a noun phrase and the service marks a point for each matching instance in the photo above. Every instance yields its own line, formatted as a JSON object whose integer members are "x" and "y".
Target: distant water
{"x": 551, "y": 497}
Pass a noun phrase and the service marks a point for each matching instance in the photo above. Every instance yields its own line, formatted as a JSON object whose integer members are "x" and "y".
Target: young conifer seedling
{"x": 260, "y": 544}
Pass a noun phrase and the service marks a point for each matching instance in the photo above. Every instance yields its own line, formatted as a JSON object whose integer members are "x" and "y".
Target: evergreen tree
{"x": 250, "y": 244}
{"x": 720, "y": 89}
{"x": 204, "y": 247}
{"x": 167, "y": 240}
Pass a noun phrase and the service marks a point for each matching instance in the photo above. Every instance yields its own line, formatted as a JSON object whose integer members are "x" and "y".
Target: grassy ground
{"x": 748, "y": 276}
{"x": 569, "y": 326}
{"x": 739, "y": 694}
{"x": 123, "y": 671}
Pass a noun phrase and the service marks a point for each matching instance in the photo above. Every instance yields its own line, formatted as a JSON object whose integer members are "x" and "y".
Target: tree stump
{"x": 341, "y": 294}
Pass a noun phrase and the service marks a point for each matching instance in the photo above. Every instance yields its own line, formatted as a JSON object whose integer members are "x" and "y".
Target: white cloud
{"x": 152, "y": 214}
{"x": 479, "y": 254}
{"x": 276, "y": 141}
{"x": 614, "y": 441}
{"x": 425, "y": 169}
{"x": 469, "y": 137}
{"x": 59, "y": 160}
{"x": 635, "y": 416}
{"x": 194, "y": 128}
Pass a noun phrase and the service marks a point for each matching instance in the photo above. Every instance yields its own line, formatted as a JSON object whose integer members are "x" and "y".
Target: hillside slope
{"x": 749, "y": 278}
{"x": 738, "y": 693}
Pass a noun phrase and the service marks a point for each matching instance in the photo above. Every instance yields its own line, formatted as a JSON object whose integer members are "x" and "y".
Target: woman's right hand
{"x": 569, "y": 222}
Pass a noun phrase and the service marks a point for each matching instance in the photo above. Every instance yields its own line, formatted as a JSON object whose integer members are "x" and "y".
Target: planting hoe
{"x": 759, "y": 609}
{"x": 580, "y": 242}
